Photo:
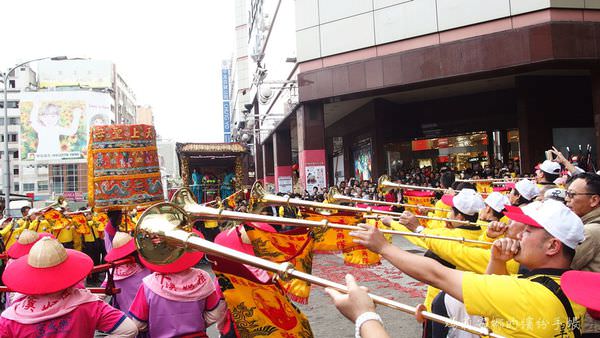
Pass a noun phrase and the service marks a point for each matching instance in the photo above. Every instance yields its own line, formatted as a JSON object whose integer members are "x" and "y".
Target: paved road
{"x": 383, "y": 280}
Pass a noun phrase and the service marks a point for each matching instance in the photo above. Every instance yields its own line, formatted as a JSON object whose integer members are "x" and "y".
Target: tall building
{"x": 53, "y": 119}
{"x": 23, "y": 78}
{"x": 265, "y": 88}
{"x": 388, "y": 84}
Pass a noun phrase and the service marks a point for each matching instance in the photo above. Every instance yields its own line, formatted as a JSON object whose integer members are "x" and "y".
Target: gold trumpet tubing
{"x": 286, "y": 270}
{"x": 485, "y": 180}
{"x": 390, "y": 185}
{"x": 280, "y": 200}
{"x": 435, "y": 219}
{"x": 343, "y": 198}
{"x": 71, "y": 213}
{"x": 445, "y": 238}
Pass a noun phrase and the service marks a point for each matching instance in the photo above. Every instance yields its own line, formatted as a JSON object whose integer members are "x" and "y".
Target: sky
{"x": 168, "y": 52}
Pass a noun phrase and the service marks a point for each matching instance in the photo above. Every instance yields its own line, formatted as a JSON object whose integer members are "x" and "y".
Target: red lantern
{"x": 295, "y": 166}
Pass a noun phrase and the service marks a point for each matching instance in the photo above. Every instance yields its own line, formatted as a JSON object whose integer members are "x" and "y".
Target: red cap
{"x": 582, "y": 288}
{"x": 513, "y": 209}
{"x": 447, "y": 200}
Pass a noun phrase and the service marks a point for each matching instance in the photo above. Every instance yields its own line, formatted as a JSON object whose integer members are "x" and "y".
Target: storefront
{"x": 460, "y": 152}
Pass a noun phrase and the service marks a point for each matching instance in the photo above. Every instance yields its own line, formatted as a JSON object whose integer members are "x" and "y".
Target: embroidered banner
{"x": 261, "y": 309}
{"x": 296, "y": 248}
{"x": 422, "y": 198}
{"x": 123, "y": 170}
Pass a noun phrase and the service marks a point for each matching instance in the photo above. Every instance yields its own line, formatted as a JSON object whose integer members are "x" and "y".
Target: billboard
{"x": 82, "y": 73}
{"x": 55, "y": 125}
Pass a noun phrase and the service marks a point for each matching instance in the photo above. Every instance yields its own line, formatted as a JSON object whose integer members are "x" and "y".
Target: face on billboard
{"x": 55, "y": 125}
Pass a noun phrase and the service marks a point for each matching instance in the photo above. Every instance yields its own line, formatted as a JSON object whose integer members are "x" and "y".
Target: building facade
{"x": 49, "y": 153}
{"x": 387, "y": 83}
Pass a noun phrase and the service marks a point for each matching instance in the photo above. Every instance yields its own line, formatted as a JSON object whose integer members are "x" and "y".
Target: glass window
{"x": 13, "y": 121}
{"x": 28, "y": 186}
{"x": 16, "y": 187}
{"x": 42, "y": 185}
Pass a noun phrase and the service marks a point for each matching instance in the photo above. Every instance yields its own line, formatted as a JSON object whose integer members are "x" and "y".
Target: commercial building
{"x": 388, "y": 83}
{"x": 53, "y": 113}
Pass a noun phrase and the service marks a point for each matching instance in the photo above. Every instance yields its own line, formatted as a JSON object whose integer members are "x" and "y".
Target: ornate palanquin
{"x": 214, "y": 158}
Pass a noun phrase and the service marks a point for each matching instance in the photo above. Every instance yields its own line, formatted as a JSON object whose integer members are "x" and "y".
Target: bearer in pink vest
{"x": 177, "y": 300}
{"x": 128, "y": 277}
{"x": 53, "y": 304}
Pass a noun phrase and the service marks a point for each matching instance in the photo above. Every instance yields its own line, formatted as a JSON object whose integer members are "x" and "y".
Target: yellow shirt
{"x": 466, "y": 258}
{"x": 10, "y": 234}
{"x": 64, "y": 235}
{"x": 210, "y": 224}
{"x": 454, "y": 232}
{"x": 39, "y": 226}
{"x": 518, "y": 307}
{"x": 93, "y": 233}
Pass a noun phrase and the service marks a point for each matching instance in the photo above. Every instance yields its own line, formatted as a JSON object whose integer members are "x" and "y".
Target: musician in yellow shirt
{"x": 530, "y": 305}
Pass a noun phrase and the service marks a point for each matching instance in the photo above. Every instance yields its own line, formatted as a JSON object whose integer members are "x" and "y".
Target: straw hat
{"x": 186, "y": 261}
{"x": 123, "y": 245}
{"x": 48, "y": 268}
{"x": 26, "y": 240}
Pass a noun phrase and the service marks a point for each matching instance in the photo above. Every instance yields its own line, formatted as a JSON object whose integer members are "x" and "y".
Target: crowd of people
{"x": 519, "y": 248}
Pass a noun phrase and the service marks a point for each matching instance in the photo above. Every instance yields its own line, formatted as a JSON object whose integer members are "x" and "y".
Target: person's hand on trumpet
{"x": 496, "y": 229}
{"x": 409, "y": 220}
{"x": 370, "y": 237}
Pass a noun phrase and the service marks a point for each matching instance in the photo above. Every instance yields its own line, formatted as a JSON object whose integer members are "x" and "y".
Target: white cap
{"x": 556, "y": 218}
{"x": 555, "y": 193}
{"x": 467, "y": 201}
{"x": 497, "y": 201}
{"x": 527, "y": 189}
{"x": 550, "y": 167}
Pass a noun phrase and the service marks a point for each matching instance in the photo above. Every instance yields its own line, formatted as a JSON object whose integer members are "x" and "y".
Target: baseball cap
{"x": 467, "y": 201}
{"x": 527, "y": 189}
{"x": 554, "y": 217}
{"x": 582, "y": 288}
{"x": 497, "y": 201}
{"x": 556, "y": 193}
{"x": 550, "y": 167}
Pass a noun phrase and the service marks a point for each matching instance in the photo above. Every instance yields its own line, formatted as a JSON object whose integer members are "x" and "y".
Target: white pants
{"x": 457, "y": 311}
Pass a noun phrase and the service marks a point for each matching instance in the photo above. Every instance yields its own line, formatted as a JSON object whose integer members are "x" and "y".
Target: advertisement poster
{"x": 315, "y": 177}
{"x": 284, "y": 183}
{"x": 362, "y": 162}
{"x": 55, "y": 125}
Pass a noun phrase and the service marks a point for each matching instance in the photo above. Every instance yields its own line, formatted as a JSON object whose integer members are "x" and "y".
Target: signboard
{"x": 225, "y": 84}
{"x": 226, "y": 117}
{"x": 284, "y": 184}
{"x": 75, "y": 73}
{"x": 55, "y": 124}
{"x": 315, "y": 177}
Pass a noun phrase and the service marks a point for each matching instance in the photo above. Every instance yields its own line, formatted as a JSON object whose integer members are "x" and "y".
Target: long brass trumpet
{"x": 430, "y": 218}
{"x": 334, "y": 196}
{"x": 384, "y": 185}
{"x": 162, "y": 235}
{"x": 259, "y": 198}
{"x": 183, "y": 200}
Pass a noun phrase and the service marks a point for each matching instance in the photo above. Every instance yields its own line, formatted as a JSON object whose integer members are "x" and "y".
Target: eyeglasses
{"x": 571, "y": 194}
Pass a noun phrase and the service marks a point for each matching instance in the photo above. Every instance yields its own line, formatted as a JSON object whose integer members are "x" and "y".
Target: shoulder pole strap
{"x": 551, "y": 285}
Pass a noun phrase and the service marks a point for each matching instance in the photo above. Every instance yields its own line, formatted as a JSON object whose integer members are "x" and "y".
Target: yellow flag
{"x": 280, "y": 247}
{"x": 261, "y": 310}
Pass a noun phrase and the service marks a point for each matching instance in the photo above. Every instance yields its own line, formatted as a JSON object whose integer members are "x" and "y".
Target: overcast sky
{"x": 169, "y": 52}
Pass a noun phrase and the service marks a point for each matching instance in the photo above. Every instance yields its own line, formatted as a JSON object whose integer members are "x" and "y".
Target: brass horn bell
{"x": 154, "y": 223}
